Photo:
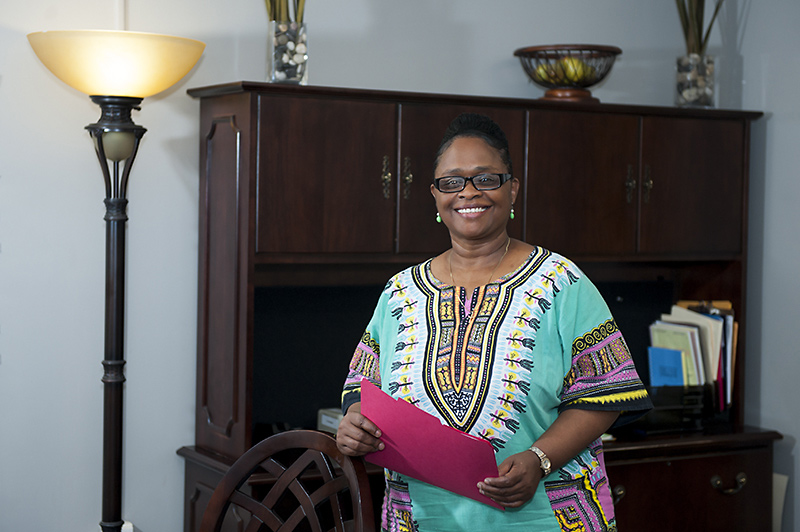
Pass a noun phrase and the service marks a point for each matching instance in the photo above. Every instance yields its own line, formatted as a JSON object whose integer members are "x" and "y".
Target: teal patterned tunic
{"x": 500, "y": 363}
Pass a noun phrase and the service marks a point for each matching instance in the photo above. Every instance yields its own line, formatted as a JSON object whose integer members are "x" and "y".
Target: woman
{"x": 503, "y": 340}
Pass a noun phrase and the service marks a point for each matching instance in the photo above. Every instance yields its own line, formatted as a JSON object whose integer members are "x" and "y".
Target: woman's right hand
{"x": 357, "y": 435}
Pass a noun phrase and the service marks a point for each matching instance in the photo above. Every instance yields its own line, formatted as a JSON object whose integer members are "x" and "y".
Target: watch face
{"x": 544, "y": 461}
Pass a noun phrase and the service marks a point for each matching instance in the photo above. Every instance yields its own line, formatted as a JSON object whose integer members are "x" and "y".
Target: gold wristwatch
{"x": 544, "y": 461}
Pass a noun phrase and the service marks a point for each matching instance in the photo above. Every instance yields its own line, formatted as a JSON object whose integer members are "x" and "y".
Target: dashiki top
{"x": 500, "y": 364}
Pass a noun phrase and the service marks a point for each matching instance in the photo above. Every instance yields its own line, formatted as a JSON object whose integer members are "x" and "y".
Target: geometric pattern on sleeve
{"x": 602, "y": 376}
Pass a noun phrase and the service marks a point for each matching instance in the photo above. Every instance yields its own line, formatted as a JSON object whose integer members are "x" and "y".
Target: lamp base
{"x": 116, "y": 526}
{"x": 127, "y": 526}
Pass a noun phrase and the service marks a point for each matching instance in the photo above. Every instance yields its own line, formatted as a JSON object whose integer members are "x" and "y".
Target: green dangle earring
{"x": 438, "y": 218}
{"x": 512, "y": 213}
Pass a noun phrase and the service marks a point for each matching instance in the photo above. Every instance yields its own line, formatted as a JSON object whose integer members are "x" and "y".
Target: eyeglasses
{"x": 454, "y": 183}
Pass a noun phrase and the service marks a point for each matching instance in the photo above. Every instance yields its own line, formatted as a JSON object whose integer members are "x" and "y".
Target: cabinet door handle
{"x": 648, "y": 183}
{"x": 619, "y": 492}
{"x": 630, "y": 184}
{"x": 386, "y": 178}
{"x": 741, "y": 480}
{"x": 408, "y": 177}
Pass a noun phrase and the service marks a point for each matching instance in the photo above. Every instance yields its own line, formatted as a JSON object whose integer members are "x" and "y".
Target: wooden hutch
{"x": 312, "y": 197}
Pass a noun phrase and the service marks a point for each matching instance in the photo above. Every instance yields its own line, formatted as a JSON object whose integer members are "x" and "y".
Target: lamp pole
{"x": 116, "y": 140}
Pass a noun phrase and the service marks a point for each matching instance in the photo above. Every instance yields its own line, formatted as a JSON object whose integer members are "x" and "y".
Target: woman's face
{"x": 472, "y": 213}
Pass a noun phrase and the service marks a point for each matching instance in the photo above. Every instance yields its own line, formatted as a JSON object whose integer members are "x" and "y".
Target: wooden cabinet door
{"x": 321, "y": 162}
{"x": 422, "y": 128}
{"x": 692, "y": 186}
{"x": 582, "y": 197}
{"x": 667, "y": 495}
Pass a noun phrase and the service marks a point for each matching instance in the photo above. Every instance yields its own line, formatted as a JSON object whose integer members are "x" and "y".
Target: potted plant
{"x": 695, "y": 70}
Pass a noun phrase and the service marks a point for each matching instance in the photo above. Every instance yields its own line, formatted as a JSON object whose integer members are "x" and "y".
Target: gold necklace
{"x": 491, "y": 276}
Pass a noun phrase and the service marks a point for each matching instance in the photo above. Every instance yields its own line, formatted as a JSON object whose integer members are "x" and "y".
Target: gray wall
{"x": 52, "y": 230}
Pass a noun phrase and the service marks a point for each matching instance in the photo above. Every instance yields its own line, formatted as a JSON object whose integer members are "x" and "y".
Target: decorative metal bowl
{"x": 567, "y": 70}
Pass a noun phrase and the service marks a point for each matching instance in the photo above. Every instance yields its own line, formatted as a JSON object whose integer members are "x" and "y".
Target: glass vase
{"x": 694, "y": 81}
{"x": 287, "y": 52}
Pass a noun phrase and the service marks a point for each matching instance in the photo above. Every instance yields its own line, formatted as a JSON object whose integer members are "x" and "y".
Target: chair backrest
{"x": 294, "y": 480}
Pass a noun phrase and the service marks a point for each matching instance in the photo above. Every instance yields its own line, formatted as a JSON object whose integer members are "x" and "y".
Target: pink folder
{"x": 420, "y": 446}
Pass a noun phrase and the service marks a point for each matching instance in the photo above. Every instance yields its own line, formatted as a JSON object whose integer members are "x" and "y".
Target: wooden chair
{"x": 292, "y": 481}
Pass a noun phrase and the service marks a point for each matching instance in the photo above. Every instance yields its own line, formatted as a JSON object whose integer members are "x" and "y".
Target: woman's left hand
{"x": 519, "y": 477}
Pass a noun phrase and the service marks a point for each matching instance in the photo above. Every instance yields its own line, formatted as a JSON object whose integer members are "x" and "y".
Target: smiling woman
{"x": 518, "y": 348}
{"x": 475, "y": 215}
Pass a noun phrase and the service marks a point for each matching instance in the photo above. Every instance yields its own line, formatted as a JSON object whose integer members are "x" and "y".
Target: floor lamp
{"x": 117, "y": 69}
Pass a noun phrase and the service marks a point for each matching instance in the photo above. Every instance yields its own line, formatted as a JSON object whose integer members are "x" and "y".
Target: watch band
{"x": 544, "y": 461}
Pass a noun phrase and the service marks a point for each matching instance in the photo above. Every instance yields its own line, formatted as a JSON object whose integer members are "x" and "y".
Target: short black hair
{"x": 478, "y": 126}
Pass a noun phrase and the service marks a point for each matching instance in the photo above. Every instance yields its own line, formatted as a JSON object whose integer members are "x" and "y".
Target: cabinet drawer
{"x": 696, "y": 492}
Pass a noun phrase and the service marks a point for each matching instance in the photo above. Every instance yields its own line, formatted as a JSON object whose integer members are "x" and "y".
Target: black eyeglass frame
{"x": 503, "y": 179}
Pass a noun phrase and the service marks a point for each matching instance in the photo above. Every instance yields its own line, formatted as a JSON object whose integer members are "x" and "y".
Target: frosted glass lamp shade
{"x": 116, "y": 63}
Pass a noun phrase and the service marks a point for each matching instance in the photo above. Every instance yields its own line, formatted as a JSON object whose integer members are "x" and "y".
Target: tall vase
{"x": 695, "y": 81}
{"x": 287, "y": 52}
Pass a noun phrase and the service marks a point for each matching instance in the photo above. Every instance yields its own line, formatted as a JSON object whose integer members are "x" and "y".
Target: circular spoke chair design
{"x": 293, "y": 481}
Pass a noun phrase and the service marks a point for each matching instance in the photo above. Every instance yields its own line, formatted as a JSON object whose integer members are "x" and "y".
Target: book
{"x": 721, "y": 309}
{"x": 733, "y": 349}
{"x": 684, "y": 338}
{"x": 722, "y": 381}
{"x": 667, "y": 366}
{"x": 710, "y": 330}
{"x": 730, "y": 328}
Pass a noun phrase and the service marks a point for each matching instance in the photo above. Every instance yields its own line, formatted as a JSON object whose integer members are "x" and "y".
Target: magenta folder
{"x": 420, "y": 446}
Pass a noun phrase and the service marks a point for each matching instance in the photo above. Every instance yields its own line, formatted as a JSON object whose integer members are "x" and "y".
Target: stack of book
{"x": 695, "y": 345}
